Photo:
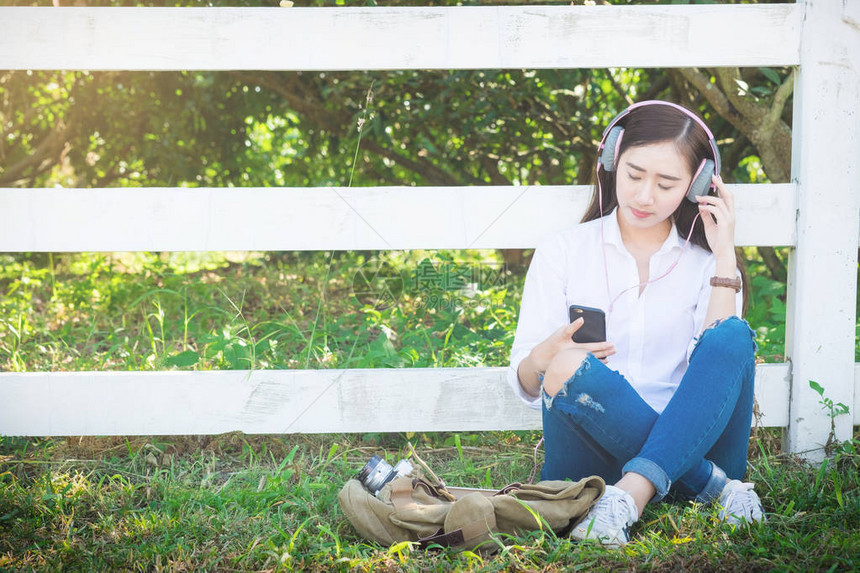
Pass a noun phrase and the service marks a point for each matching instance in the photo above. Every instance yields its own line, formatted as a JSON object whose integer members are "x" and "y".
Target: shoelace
{"x": 608, "y": 509}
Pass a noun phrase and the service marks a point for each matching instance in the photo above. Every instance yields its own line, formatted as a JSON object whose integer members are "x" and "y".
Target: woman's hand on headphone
{"x": 561, "y": 339}
{"x": 718, "y": 217}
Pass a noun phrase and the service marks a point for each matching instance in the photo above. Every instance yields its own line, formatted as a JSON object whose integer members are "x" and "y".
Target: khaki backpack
{"x": 419, "y": 508}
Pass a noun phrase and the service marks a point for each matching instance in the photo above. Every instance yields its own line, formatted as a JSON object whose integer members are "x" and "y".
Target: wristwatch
{"x": 734, "y": 283}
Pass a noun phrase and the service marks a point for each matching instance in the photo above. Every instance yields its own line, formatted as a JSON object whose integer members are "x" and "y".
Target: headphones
{"x": 607, "y": 151}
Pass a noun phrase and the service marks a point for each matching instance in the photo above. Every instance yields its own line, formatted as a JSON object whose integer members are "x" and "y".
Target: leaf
{"x": 400, "y": 548}
{"x": 817, "y": 387}
{"x": 182, "y": 359}
{"x": 771, "y": 75}
{"x": 331, "y": 452}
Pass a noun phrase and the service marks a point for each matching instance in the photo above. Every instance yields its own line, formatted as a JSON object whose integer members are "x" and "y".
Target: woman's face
{"x": 650, "y": 183}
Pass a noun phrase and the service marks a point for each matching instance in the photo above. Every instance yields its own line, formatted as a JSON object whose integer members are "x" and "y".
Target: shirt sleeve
{"x": 543, "y": 308}
{"x": 704, "y": 299}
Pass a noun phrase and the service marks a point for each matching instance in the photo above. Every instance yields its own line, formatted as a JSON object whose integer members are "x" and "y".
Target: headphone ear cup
{"x": 701, "y": 180}
{"x": 610, "y": 147}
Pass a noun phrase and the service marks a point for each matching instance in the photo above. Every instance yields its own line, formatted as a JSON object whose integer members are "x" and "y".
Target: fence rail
{"x": 426, "y": 38}
{"x": 230, "y": 219}
{"x": 289, "y": 401}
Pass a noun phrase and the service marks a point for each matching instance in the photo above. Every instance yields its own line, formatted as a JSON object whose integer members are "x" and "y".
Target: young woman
{"x": 664, "y": 404}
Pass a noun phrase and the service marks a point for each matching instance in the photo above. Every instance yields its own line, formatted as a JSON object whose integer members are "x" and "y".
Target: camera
{"x": 377, "y": 472}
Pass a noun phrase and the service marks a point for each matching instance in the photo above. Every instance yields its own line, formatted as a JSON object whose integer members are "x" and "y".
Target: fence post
{"x": 822, "y": 284}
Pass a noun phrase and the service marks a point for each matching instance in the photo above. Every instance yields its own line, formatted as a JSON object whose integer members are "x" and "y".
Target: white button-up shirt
{"x": 654, "y": 333}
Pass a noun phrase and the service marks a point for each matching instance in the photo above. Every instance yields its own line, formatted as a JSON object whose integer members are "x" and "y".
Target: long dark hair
{"x": 652, "y": 124}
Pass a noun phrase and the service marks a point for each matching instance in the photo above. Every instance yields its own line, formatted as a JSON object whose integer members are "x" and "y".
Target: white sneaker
{"x": 610, "y": 519}
{"x": 740, "y": 504}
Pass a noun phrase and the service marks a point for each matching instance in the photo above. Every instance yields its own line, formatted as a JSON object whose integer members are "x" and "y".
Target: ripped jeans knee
{"x": 583, "y": 370}
{"x": 733, "y": 334}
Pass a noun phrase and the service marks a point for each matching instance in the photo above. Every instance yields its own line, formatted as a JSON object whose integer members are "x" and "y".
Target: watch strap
{"x": 734, "y": 283}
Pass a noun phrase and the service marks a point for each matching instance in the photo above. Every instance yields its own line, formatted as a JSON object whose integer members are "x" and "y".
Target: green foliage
{"x": 766, "y": 311}
{"x": 147, "y": 311}
{"x": 249, "y": 311}
{"x": 128, "y": 129}
{"x": 833, "y": 408}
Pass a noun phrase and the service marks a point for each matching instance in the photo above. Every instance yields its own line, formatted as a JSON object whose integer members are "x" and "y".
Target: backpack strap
{"x": 452, "y": 539}
{"x": 402, "y": 489}
{"x": 437, "y": 490}
{"x": 456, "y": 538}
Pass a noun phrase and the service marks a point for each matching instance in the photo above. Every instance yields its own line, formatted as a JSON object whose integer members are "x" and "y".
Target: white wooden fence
{"x": 816, "y": 214}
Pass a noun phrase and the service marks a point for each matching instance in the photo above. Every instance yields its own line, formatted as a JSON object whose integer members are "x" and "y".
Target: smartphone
{"x": 593, "y": 328}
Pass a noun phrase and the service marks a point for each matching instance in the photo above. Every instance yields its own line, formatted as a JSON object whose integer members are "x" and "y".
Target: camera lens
{"x": 402, "y": 468}
{"x": 375, "y": 474}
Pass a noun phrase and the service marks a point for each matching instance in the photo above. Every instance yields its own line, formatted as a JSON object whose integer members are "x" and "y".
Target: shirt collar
{"x": 612, "y": 234}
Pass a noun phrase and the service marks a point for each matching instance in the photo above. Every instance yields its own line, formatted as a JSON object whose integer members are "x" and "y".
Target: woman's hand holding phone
{"x": 562, "y": 339}
{"x": 535, "y": 365}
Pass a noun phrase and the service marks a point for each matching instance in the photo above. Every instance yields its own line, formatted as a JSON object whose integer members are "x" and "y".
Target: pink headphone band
{"x": 685, "y": 111}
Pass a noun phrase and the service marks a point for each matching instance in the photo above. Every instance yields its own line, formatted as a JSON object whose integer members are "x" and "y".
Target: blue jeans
{"x": 598, "y": 425}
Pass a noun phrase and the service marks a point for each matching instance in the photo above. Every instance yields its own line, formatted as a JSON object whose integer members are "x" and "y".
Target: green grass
{"x": 240, "y": 503}
{"x": 252, "y": 310}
